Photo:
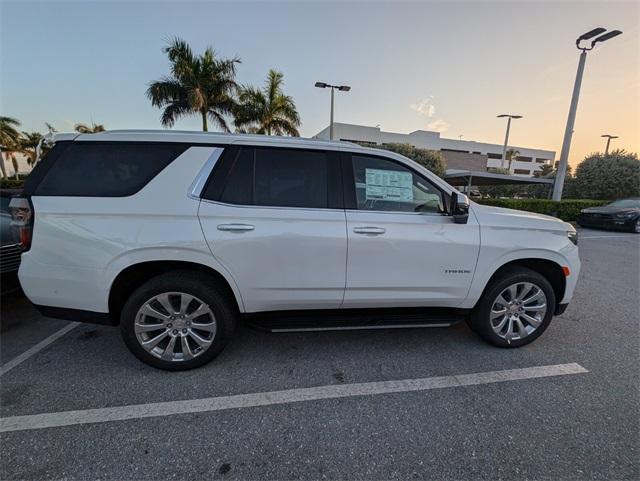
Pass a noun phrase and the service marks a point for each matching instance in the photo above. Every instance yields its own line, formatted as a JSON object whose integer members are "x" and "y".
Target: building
{"x": 459, "y": 154}
{"x": 22, "y": 160}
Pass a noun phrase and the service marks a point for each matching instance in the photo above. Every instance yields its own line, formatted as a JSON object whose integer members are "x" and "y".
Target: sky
{"x": 447, "y": 66}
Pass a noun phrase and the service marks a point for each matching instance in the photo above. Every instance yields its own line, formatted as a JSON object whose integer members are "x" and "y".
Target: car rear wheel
{"x": 177, "y": 321}
{"x": 515, "y": 309}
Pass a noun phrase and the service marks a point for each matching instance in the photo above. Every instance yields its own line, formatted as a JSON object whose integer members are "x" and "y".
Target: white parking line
{"x": 36, "y": 349}
{"x": 139, "y": 411}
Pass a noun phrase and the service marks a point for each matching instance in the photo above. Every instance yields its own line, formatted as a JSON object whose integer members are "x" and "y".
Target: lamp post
{"x": 558, "y": 185}
{"x": 343, "y": 88}
{"x": 608, "y": 137}
{"x": 506, "y": 137}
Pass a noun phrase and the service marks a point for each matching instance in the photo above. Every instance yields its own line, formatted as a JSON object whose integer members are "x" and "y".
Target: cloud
{"x": 425, "y": 107}
{"x": 438, "y": 126}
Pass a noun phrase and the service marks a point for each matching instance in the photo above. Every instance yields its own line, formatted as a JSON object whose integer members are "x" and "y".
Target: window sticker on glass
{"x": 389, "y": 185}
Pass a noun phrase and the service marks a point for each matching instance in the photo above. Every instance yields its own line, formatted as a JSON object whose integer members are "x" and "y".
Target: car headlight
{"x": 626, "y": 215}
{"x": 573, "y": 236}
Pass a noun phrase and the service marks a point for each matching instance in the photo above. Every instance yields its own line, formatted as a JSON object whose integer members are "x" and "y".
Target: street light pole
{"x": 331, "y": 119}
{"x": 608, "y": 137}
{"x": 344, "y": 88}
{"x": 506, "y": 136}
{"x": 568, "y": 131}
{"x": 558, "y": 184}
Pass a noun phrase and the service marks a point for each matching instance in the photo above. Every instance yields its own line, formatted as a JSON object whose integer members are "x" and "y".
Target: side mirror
{"x": 459, "y": 208}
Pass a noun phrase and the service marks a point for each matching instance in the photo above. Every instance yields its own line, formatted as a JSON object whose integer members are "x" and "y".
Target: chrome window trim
{"x": 252, "y": 206}
{"x": 395, "y": 212}
{"x": 197, "y": 186}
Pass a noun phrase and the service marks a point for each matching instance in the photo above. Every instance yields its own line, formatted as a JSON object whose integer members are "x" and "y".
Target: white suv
{"x": 175, "y": 236}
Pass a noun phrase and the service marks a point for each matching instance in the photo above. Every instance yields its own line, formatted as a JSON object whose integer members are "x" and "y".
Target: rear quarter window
{"x": 106, "y": 169}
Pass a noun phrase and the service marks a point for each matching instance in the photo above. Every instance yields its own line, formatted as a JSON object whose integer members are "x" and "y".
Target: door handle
{"x": 235, "y": 227}
{"x": 369, "y": 230}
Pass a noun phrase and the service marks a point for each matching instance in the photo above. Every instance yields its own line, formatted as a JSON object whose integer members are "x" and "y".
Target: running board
{"x": 353, "y": 320}
{"x": 359, "y": 328}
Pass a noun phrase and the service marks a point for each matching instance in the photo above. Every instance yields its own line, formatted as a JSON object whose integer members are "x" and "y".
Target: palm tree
{"x": 267, "y": 111}
{"x": 29, "y": 144}
{"x": 8, "y": 138}
{"x": 89, "y": 129}
{"x": 511, "y": 156}
{"x": 198, "y": 84}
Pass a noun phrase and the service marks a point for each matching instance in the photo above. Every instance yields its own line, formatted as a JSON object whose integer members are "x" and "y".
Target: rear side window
{"x": 290, "y": 178}
{"x": 107, "y": 169}
{"x": 275, "y": 177}
{"x": 239, "y": 186}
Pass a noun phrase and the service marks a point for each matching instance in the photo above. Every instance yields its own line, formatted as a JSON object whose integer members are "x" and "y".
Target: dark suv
{"x": 10, "y": 248}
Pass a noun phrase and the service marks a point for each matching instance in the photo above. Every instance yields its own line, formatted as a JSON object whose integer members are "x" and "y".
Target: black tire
{"x": 634, "y": 227}
{"x": 479, "y": 321}
{"x": 196, "y": 284}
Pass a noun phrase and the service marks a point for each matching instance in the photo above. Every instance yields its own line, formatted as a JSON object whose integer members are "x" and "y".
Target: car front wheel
{"x": 177, "y": 321}
{"x": 515, "y": 309}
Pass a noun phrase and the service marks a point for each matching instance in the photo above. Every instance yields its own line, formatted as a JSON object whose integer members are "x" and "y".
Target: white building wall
{"x": 431, "y": 140}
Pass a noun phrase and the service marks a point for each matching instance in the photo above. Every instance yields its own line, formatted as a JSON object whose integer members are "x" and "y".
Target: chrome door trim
{"x": 370, "y": 230}
{"x": 236, "y": 227}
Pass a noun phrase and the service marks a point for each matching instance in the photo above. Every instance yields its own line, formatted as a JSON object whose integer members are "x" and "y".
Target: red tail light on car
{"x": 22, "y": 220}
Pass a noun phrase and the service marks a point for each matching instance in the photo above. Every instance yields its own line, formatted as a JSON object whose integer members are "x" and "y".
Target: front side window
{"x": 383, "y": 185}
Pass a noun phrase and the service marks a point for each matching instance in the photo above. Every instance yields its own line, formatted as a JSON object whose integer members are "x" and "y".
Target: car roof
{"x": 197, "y": 137}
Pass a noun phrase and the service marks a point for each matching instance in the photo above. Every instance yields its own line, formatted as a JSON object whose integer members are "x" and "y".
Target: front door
{"x": 277, "y": 225}
{"x": 403, "y": 248}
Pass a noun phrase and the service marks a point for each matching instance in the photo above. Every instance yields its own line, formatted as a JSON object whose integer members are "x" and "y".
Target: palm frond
{"x": 218, "y": 119}
{"x": 8, "y": 131}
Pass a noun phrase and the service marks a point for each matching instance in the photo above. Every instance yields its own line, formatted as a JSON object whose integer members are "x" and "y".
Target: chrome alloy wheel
{"x": 518, "y": 311}
{"x": 175, "y": 326}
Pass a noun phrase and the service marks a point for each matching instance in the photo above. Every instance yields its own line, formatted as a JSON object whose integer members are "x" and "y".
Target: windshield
{"x": 631, "y": 203}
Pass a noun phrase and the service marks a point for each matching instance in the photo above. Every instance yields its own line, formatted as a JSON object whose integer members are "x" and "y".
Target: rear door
{"x": 274, "y": 218}
{"x": 403, "y": 248}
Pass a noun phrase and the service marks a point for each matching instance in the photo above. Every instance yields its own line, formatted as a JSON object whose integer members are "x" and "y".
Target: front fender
{"x": 501, "y": 247}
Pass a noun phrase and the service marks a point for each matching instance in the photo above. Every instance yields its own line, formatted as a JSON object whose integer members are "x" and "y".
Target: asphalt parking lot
{"x": 577, "y": 419}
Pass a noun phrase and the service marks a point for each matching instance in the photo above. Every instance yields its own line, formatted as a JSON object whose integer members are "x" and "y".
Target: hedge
{"x": 566, "y": 210}
{"x": 11, "y": 183}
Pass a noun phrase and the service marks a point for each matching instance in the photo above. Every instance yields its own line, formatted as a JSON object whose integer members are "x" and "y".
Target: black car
{"x": 622, "y": 214}
{"x": 10, "y": 247}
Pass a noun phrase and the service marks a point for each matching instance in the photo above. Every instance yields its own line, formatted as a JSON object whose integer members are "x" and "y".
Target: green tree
{"x": 89, "y": 129}
{"x": 198, "y": 85}
{"x": 511, "y": 155}
{"x": 28, "y": 145}
{"x": 614, "y": 176}
{"x": 430, "y": 159}
{"x": 267, "y": 111}
{"x": 545, "y": 171}
{"x": 9, "y": 136}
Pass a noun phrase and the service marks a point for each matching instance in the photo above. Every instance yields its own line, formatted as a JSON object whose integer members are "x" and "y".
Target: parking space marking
{"x": 36, "y": 349}
{"x": 333, "y": 391}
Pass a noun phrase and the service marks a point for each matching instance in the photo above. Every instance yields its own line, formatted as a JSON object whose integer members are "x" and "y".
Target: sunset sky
{"x": 426, "y": 65}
